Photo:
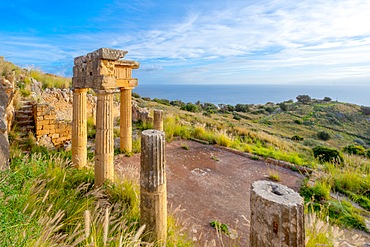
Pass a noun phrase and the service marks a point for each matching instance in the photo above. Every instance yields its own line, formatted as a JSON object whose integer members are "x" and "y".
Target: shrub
{"x": 135, "y": 95}
{"x": 327, "y": 99}
{"x": 323, "y": 135}
{"x": 319, "y": 192}
{"x": 297, "y": 138}
{"x": 326, "y": 154}
{"x": 303, "y": 99}
{"x": 297, "y": 121}
{"x": 283, "y": 106}
{"x": 190, "y": 107}
{"x": 354, "y": 149}
{"x": 162, "y": 101}
{"x": 241, "y": 107}
{"x": 365, "y": 110}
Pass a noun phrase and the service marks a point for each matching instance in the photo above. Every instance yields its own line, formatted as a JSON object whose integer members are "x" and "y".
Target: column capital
{"x": 106, "y": 91}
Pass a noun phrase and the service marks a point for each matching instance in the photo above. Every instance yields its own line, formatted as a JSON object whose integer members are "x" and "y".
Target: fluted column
{"x": 158, "y": 120}
{"x": 104, "y": 142}
{"x": 153, "y": 191}
{"x": 277, "y": 216}
{"x": 125, "y": 120}
{"x": 79, "y": 128}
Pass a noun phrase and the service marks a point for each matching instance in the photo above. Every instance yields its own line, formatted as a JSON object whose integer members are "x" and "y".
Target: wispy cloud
{"x": 214, "y": 40}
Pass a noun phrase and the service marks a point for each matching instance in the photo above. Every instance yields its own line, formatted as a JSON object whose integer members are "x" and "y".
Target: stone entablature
{"x": 102, "y": 69}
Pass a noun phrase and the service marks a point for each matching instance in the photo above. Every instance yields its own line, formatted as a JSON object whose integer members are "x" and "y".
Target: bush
{"x": 365, "y": 110}
{"x": 303, "y": 99}
{"x": 297, "y": 121}
{"x": 162, "y": 101}
{"x": 325, "y": 154}
{"x": 297, "y": 138}
{"x": 327, "y": 99}
{"x": 354, "y": 149}
{"x": 241, "y": 108}
{"x": 319, "y": 192}
{"x": 323, "y": 135}
{"x": 283, "y": 106}
{"x": 190, "y": 107}
{"x": 135, "y": 95}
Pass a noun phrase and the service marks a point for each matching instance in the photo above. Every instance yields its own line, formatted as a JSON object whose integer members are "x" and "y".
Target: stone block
{"x": 42, "y": 132}
{"x": 43, "y": 122}
{"x": 277, "y": 216}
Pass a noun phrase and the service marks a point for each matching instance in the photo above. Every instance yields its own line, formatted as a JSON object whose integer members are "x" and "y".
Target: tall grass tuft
{"x": 50, "y": 81}
{"x": 44, "y": 201}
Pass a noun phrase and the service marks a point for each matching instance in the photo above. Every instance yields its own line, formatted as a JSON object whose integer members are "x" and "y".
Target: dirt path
{"x": 208, "y": 184}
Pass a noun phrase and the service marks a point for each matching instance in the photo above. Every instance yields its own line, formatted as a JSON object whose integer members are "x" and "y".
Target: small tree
{"x": 325, "y": 154}
{"x": 354, "y": 149}
{"x": 365, "y": 110}
{"x": 327, "y": 99}
{"x": 283, "y": 106}
{"x": 323, "y": 135}
{"x": 303, "y": 98}
{"x": 241, "y": 108}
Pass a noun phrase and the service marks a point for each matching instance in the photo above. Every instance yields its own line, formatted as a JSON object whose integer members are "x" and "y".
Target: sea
{"x": 254, "y": 94}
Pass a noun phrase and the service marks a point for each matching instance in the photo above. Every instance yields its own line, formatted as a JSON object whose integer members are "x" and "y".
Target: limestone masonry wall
{"x": 46, "y": 123}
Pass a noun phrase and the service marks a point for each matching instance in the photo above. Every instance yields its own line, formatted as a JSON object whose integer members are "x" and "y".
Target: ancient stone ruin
{"x": 103, "y": 71}
{"x": 277, "y": 216}
{"x": 6, "y": 117}
{"x": 153, "y": 190}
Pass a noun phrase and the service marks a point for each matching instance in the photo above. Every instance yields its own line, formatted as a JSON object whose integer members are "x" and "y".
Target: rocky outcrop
{"x": 6, "y": 117}
{"x": 140, "y": 114}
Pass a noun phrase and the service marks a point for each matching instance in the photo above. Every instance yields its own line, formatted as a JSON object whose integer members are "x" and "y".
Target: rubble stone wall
{"x": 46, "y": 123}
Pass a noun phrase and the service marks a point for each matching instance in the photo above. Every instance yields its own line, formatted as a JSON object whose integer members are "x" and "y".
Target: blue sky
{"x": 197, "y": 41}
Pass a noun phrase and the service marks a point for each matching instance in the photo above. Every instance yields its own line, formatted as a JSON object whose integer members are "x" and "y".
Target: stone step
{"x": 27, "y": 103}
{"x": 23, "y": 117}
{"x": 25, "y": 130}
{"x": 21, "y": 111}
{"x": 25, "y": 123}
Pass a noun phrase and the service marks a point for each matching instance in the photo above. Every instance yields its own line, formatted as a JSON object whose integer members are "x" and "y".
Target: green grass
{"x": 44, "y": 201}
{"x": 50, "y": 81}
{"x": 220, "y": 227}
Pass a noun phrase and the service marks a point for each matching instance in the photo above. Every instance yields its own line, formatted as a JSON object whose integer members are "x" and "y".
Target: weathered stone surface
{"x": 101, "y": 69}
{"x": 153, "y": 191}
{"x": 79, "y": 128}
{"x": 104, "y": 145}
{"x": 140, "y": 114}
{"x": 36, "y": 87}
{"x": 125, "y": 120}
{"x": 277, "y": 217}
{"x": 6, "y": 118}
{"x": 158, "y": 120}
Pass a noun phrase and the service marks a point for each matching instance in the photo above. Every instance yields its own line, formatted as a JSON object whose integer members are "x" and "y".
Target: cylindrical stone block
{"x": 158, "y": 120}
{"x": 104, "y": 142}
{"x": 125, "y": 120}
{"x": 277, "y": 216}
{"x": 79, "y": 128}
{"x": 153, "y": 191}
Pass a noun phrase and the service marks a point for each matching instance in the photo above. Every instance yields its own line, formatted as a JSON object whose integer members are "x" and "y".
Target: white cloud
{"x": 235, "y": 38}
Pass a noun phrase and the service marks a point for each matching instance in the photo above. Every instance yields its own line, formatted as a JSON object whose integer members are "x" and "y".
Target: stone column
{"x": 79, "y": 128}
{"x": 277, "y": 216}
{"x": 153, "y": 192}
{"x": 125, "y": 120}
{"x": 104, "y": 143}
{"x": 158, "y": 120}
